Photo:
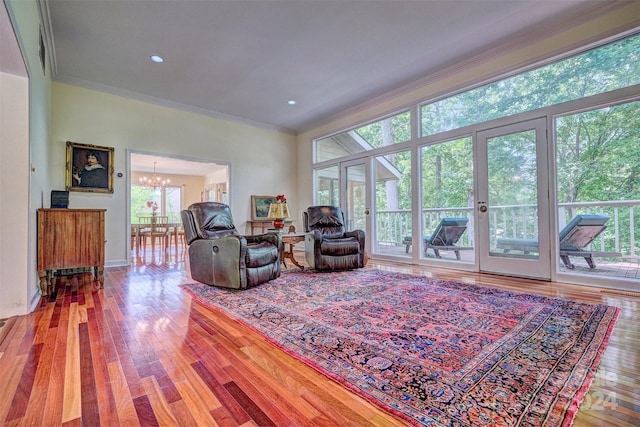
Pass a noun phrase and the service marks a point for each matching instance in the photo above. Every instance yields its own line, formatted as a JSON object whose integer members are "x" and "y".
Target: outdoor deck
{"x": 609, "y": 267}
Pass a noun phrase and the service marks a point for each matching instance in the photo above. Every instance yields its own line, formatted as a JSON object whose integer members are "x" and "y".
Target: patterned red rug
{"x": 433, "y": 352}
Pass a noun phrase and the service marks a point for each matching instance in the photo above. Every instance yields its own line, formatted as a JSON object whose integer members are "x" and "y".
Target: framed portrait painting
{"x": 260, "y": 207}
{"x": 89, "y": 168}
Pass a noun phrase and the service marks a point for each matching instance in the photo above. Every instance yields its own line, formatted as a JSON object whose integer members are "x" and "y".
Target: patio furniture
{"x": 444, "y": 237}
{"x": 574, "y": 238}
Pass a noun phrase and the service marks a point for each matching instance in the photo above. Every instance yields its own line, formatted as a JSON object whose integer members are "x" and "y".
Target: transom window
{"x": 603, "y": 69}
{"x": 388, "y": 131}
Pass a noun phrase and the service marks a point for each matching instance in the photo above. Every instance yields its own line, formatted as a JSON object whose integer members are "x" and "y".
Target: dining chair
{"x": 158, "y": 229}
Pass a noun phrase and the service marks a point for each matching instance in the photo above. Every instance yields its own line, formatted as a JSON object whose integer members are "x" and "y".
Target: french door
{"x": 354, "y": 194}
{"x": 512, "y": 207}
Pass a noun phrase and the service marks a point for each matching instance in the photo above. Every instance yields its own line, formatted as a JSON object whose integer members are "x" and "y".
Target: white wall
{"x": 14, "y": 188}
{"x": 23, "y": 162}
{"x": 262, "y": 161}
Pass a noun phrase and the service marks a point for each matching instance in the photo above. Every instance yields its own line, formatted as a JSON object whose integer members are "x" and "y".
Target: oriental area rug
{"x": 433, "y": 352}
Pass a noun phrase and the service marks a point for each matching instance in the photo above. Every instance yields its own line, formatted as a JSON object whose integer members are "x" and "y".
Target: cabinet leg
{"x": 99, "y": 274}
{"x": 44, "y": 282}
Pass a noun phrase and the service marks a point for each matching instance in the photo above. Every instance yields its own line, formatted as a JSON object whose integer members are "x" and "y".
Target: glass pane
{"x": 598, "y": 170}
{"x": 392, "y": 130}
{"x": 447, "y": 192}
{"x": 600, "y": 70}
{"x": 393, "y": 203}
{"x": 513, "y": 195}
{"x": 356, "y": 198}
{"x": 327, "y": 186}
{"x": 142, "y": 199}
{"x": 173, "y": 196}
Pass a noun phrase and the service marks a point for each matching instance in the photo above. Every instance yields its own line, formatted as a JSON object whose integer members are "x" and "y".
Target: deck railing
{"x": 519, "y": 221}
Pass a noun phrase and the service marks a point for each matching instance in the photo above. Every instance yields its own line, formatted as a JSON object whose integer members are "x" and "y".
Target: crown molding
{"x": 168, "y": 104}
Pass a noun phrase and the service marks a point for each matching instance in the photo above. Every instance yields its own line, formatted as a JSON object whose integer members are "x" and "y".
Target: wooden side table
{"x": 291, "y": 239}
{"x": 263, "y": 224}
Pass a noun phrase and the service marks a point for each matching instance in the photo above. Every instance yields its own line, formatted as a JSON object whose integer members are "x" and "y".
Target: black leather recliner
{"x": 328, "y": 246}
{"x": 220, "y": 256}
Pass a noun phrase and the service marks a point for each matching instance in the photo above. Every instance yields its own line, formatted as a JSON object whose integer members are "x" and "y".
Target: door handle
{"x": 483, "y": 206}
{"x": 366, "y": 211}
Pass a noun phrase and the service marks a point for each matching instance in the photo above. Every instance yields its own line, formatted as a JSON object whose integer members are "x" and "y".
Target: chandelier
{"x": 154, "y": 181}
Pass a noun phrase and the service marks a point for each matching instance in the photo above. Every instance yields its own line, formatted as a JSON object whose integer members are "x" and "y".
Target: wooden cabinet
{"x": 70, "y": 238}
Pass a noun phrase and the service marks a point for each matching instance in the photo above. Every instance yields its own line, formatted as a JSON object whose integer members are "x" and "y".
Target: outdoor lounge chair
{"x": 574, "y": 237}
{"x": 444, "y": 237}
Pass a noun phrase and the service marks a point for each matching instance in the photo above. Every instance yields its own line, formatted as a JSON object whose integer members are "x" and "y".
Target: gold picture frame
{"x": 260, "y": 207}
{"x": 89, "y": 168}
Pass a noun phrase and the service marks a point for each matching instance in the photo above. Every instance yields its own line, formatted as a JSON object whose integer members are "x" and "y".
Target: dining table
{"x": 170, "y": 228}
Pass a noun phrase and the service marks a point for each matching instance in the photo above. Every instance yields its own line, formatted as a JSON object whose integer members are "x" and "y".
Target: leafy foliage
{"x": 447, "y": 174}
{"x": 599, "y": 70}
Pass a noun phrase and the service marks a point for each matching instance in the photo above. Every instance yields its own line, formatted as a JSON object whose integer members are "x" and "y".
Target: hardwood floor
{"x": 141, "y": 352}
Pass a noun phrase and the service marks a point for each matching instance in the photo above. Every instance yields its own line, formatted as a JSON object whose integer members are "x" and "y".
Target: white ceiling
{"x": 246, "y": 58}
{"x": 172, "y": 165}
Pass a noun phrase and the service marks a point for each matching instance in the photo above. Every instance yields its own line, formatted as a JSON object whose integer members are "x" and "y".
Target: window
{"x": 599, "y": 70}
{"x": 392, "y": 130}
{"x": 327, "y": 192}
{"x": 167, "y": 202}
{"x": 598, "y": 172}
{"x": 393, "y": 201}
{"x": 447, "y": 184}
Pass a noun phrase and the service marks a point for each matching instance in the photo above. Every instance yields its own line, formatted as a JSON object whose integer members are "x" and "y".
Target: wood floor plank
{"x": 126, "y": 411}
{"x": 52, "y": 414}
{"x": 125, "y": 358}
{"x": 72, "y": 405}
{"x": 40, "y": 388}
{"x": 145, "y": 411}
{"x": 88, "y": 392}
{"x": 196, "y": 402}
{"x": 267, "y": 400}
{"x": 20, "y": 401}
{"x": 183, "y": 415}
{"x": 231, "y": 406}
{"x": 9, "y": 385}
{"x": 286, "y": 388}
{"x": 197, "y": 385}
{"x": 105, "y": 399}
{"x": 157, "y": 357}
{"x": 161, "y": 409}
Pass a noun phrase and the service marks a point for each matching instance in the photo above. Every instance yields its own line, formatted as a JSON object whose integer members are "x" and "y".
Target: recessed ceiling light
{"x": 291, "y": 102}
{"x": 156, "y": 58}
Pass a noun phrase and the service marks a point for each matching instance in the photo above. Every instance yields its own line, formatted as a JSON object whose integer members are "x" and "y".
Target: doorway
{"x": 172, "y": 184}
{"x": 512, "y": 207}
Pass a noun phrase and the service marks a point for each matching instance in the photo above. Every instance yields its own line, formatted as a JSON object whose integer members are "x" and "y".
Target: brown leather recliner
{"x": 220, "y": 256}
{"x": 328, "y": 246}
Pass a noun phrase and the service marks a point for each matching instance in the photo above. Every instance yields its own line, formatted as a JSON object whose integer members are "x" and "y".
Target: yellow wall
{"x": 262, "y": 161}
